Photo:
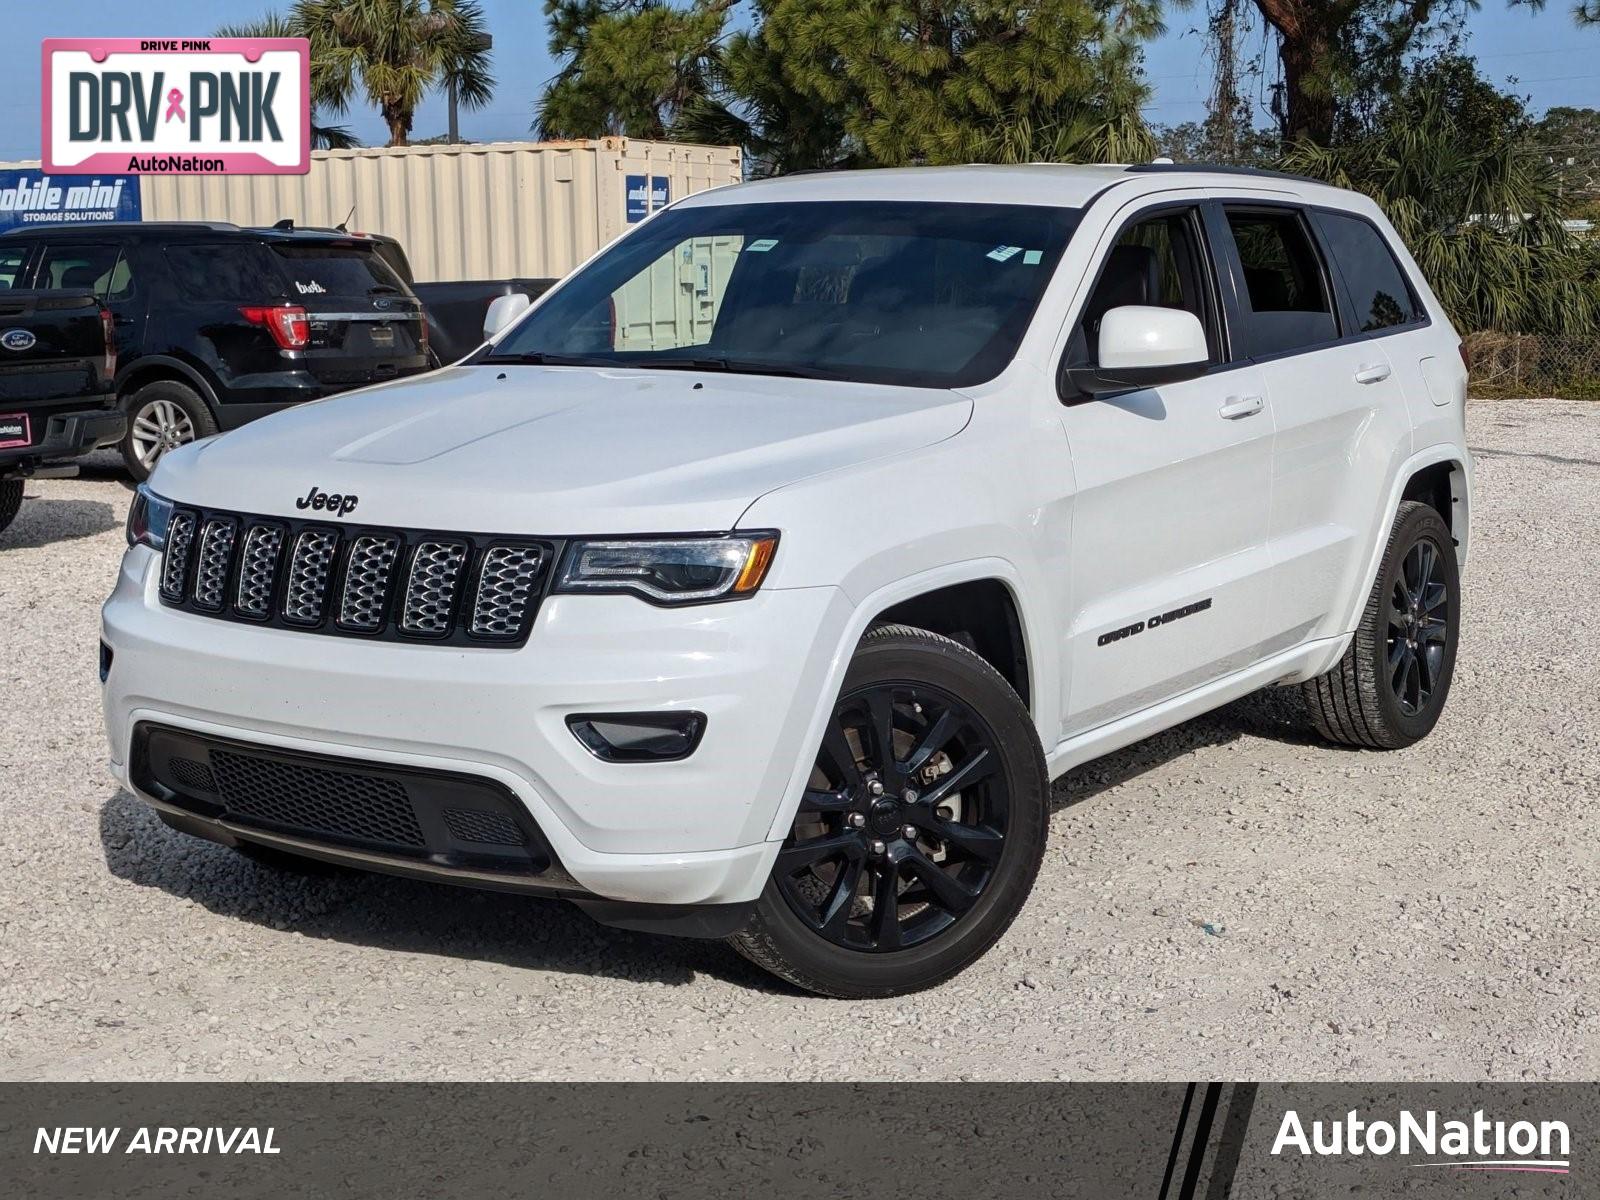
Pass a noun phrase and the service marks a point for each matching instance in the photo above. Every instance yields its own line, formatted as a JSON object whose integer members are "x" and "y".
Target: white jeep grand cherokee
{"x": 759, "y": 580}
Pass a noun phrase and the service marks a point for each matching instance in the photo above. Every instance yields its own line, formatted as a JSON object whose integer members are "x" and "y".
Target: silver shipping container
{"x": 490, "y": 211}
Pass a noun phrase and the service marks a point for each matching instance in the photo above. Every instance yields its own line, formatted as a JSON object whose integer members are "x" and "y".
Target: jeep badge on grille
{"x": 322, "y": 501}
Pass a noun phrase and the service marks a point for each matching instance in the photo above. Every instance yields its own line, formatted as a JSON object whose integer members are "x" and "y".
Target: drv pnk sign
{"x": 168, "y": 106}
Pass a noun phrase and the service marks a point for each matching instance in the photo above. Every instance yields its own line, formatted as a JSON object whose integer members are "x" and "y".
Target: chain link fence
{"x": 1523, "y": 365}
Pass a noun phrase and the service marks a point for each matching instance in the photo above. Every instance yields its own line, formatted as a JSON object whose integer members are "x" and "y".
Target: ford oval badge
{"x": 17, "y": 339}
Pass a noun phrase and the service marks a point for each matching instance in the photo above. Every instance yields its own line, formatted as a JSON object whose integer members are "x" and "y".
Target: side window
{"x": 1155, "y": 262}
{"x": 12, "y": 260}
{"x": 1286, "y": 300}
{"x": 225, "y": 272}
{"x": 1377, "y": 285}
{"x": 99, "y": 269}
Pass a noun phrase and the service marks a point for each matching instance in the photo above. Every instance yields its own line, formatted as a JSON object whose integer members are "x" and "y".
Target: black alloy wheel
{"x": 904, "y": 823}
{"x": 920, "y": 830}
{"x": 1419, "y": 627}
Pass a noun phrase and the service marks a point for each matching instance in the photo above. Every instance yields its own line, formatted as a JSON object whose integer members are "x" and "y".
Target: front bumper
{"x": 67, "y": 436}
{"x": 692, "y": 832}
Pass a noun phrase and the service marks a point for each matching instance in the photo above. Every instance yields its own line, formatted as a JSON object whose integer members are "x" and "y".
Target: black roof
{"x": 176, "y": 229}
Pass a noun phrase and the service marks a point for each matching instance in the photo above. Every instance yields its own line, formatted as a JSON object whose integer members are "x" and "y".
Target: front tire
{"x": 921, "y": 830}
{"x": 1389, "y": 689}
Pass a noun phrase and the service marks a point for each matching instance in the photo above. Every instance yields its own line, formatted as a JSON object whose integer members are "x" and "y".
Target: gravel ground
{"x": 1421, "y": 915}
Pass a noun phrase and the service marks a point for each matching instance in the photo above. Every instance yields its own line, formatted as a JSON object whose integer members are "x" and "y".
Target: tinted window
{"x": 232, "y": 271}
{"x": 1286, "y": 300}
{"x": 1156, "y": 262}
{"x": 99, "y": 269}
{"x": 1377, "y": 285}
{"x": 316, "y": 270}
{"x": 925, "y": 294}
{"x": 12, "y": 260}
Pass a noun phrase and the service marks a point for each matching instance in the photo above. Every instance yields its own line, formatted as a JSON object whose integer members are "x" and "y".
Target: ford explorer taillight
{"x": 288, "y": 324}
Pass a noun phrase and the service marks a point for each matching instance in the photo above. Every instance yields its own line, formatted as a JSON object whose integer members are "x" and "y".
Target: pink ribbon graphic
{"x": 175, "y": 106}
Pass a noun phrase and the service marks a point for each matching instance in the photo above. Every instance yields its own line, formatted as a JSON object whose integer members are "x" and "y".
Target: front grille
{"x": 175, "y": 565}
{"x": 506, "y": 582}
{"x": 195, "y": 776}
{"x": 365, "y": 808}
{"x": 441, "y": 818}
{"x": 216, "y": 551}
{"x": 405, "y": 585}
{"x": 258, "y": 570}
{"x": 310, "y": 568}
{"x": 431, "y": 588}
{"x": 486, "y": 828}
{"x": 366, "y": 581}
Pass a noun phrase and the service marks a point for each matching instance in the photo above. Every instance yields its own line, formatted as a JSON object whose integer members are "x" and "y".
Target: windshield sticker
{"x": 762, "y": 246}
{"x": 1002, "y": 253}
{"x": 1032, "y": 258}
{"x": 310, "y": 289}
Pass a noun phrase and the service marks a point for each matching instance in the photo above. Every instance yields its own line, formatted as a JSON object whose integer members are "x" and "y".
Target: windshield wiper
{"x": 540, "y": 358}
{"x": 732, "y": 366}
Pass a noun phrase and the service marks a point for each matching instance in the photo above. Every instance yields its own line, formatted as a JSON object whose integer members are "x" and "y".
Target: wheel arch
{"x": 1428, "y": 475}
{"x": 154, "y": 368}
{"x": 932, "y": 588}
{"x": 982, "y": 615}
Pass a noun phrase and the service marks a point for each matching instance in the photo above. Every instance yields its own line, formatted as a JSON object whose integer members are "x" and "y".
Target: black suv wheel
{"x": 161, "y": 417}
{"x": 920, "y": 833}
{"x": 1390, "y": 687}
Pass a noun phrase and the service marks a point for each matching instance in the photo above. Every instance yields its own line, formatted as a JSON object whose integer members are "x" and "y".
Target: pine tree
{"x": 944, "y": 81}
{"x": 631, "y": 66}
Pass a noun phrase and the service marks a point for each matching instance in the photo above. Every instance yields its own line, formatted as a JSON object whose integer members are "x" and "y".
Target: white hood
{"x": 558, "y": 450}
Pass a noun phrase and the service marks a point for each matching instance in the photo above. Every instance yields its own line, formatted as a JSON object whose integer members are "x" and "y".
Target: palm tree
{"x": 275, "y": 25}
{"x": 1454, "y": 165}
{"x": 393, "y": 52}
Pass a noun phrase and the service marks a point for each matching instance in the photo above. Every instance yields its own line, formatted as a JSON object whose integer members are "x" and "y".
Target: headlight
{"x": 148, "y": 518}
{"x": 671, "y": 570}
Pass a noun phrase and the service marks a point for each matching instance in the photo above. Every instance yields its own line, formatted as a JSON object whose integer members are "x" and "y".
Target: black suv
{"x": 217, "y": 325}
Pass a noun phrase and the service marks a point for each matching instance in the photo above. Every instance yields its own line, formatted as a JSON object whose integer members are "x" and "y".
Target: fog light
{"x": 638, "y": 737}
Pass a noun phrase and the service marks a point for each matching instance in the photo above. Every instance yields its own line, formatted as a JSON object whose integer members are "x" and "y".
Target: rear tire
{"x": 10, "y": 501}
{"x": 902, "y": 868}
{"x": 162, "y": 416}
{"x": 1389, "y": 689}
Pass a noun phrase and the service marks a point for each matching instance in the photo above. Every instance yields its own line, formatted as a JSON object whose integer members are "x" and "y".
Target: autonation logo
{"x": 1478, "y": 1144}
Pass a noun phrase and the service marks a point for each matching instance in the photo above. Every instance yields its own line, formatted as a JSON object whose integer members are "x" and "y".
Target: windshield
{"x": 922, "y": 294}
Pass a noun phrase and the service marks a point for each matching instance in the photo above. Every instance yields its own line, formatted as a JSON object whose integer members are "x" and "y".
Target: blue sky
{"x": 1554, "y": 62}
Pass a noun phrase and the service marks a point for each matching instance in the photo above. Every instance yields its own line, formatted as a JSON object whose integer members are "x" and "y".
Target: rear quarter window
{"x": 1379, "y": 291}
{"x": 232, "y": 272}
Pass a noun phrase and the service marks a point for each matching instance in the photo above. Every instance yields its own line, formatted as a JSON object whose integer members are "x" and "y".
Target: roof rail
{"x": 1162, "y": 168}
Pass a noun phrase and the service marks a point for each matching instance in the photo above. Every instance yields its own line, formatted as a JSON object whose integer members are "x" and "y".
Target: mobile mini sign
{"x": 153, "y": 106}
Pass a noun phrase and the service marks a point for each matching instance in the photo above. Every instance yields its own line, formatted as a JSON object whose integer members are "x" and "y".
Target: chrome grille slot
{"x": 431, "y": 588}
{"x": 310, "y": 568}
{"x": 366, "y": 581}
{"x": 211, "y": 572}
{"x": 175, "y": 564}
{"x": 507, "y": 580}
{"x": 258, "y": 570}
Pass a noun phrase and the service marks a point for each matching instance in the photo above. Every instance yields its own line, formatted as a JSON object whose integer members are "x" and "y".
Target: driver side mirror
{"x": 502, "y": 311}
{"x": 1144, "y": 346}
